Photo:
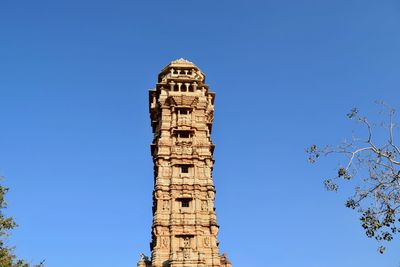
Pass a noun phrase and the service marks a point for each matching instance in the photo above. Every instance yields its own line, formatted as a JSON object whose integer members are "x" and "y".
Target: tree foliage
{"x": 373, "y": 163}
{"x": 7, "y": 256}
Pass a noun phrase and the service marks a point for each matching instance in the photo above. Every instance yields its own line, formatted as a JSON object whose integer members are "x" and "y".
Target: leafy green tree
{"x": 372, "y": 164}
{"x": 7, "y": 256}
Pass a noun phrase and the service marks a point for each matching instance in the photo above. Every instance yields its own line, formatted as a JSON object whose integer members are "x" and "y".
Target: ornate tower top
{"x": 181, "y": 63}
{"x": 181, "y": 69}
{"x": 184, "y": 231}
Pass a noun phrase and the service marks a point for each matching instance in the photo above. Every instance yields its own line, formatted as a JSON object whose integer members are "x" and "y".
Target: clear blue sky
{"x": 75, "y": 130}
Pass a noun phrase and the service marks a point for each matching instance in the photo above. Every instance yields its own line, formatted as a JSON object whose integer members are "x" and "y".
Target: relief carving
{"x": 165, "y": 206}
{"x": 165, "y": 242}
{"x": 207, "y": 241}
{"x": 204, "y": 206}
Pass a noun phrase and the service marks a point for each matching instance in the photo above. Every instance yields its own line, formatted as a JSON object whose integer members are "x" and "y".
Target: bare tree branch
{"x": 377, "y": 194}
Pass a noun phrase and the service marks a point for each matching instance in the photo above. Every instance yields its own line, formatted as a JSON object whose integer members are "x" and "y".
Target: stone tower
{"x": 184, "y": 231}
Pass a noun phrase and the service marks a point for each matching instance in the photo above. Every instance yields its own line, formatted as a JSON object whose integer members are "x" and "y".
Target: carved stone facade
{"x": 184, "y": 232}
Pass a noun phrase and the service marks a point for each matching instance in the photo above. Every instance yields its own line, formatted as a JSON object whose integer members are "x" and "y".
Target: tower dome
{"x": 181, "y": 68}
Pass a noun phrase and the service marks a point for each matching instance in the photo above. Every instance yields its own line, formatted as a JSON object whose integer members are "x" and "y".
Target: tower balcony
{"x": 164, "y": 220}
{"x": 184, "y": 122}
{"x": 182, "y": 150}
{"x": 183, "y": 181}
{"x": 187, "y": 257}
{"x": 188, "y": 218}
{"x": 192, "y": 219}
